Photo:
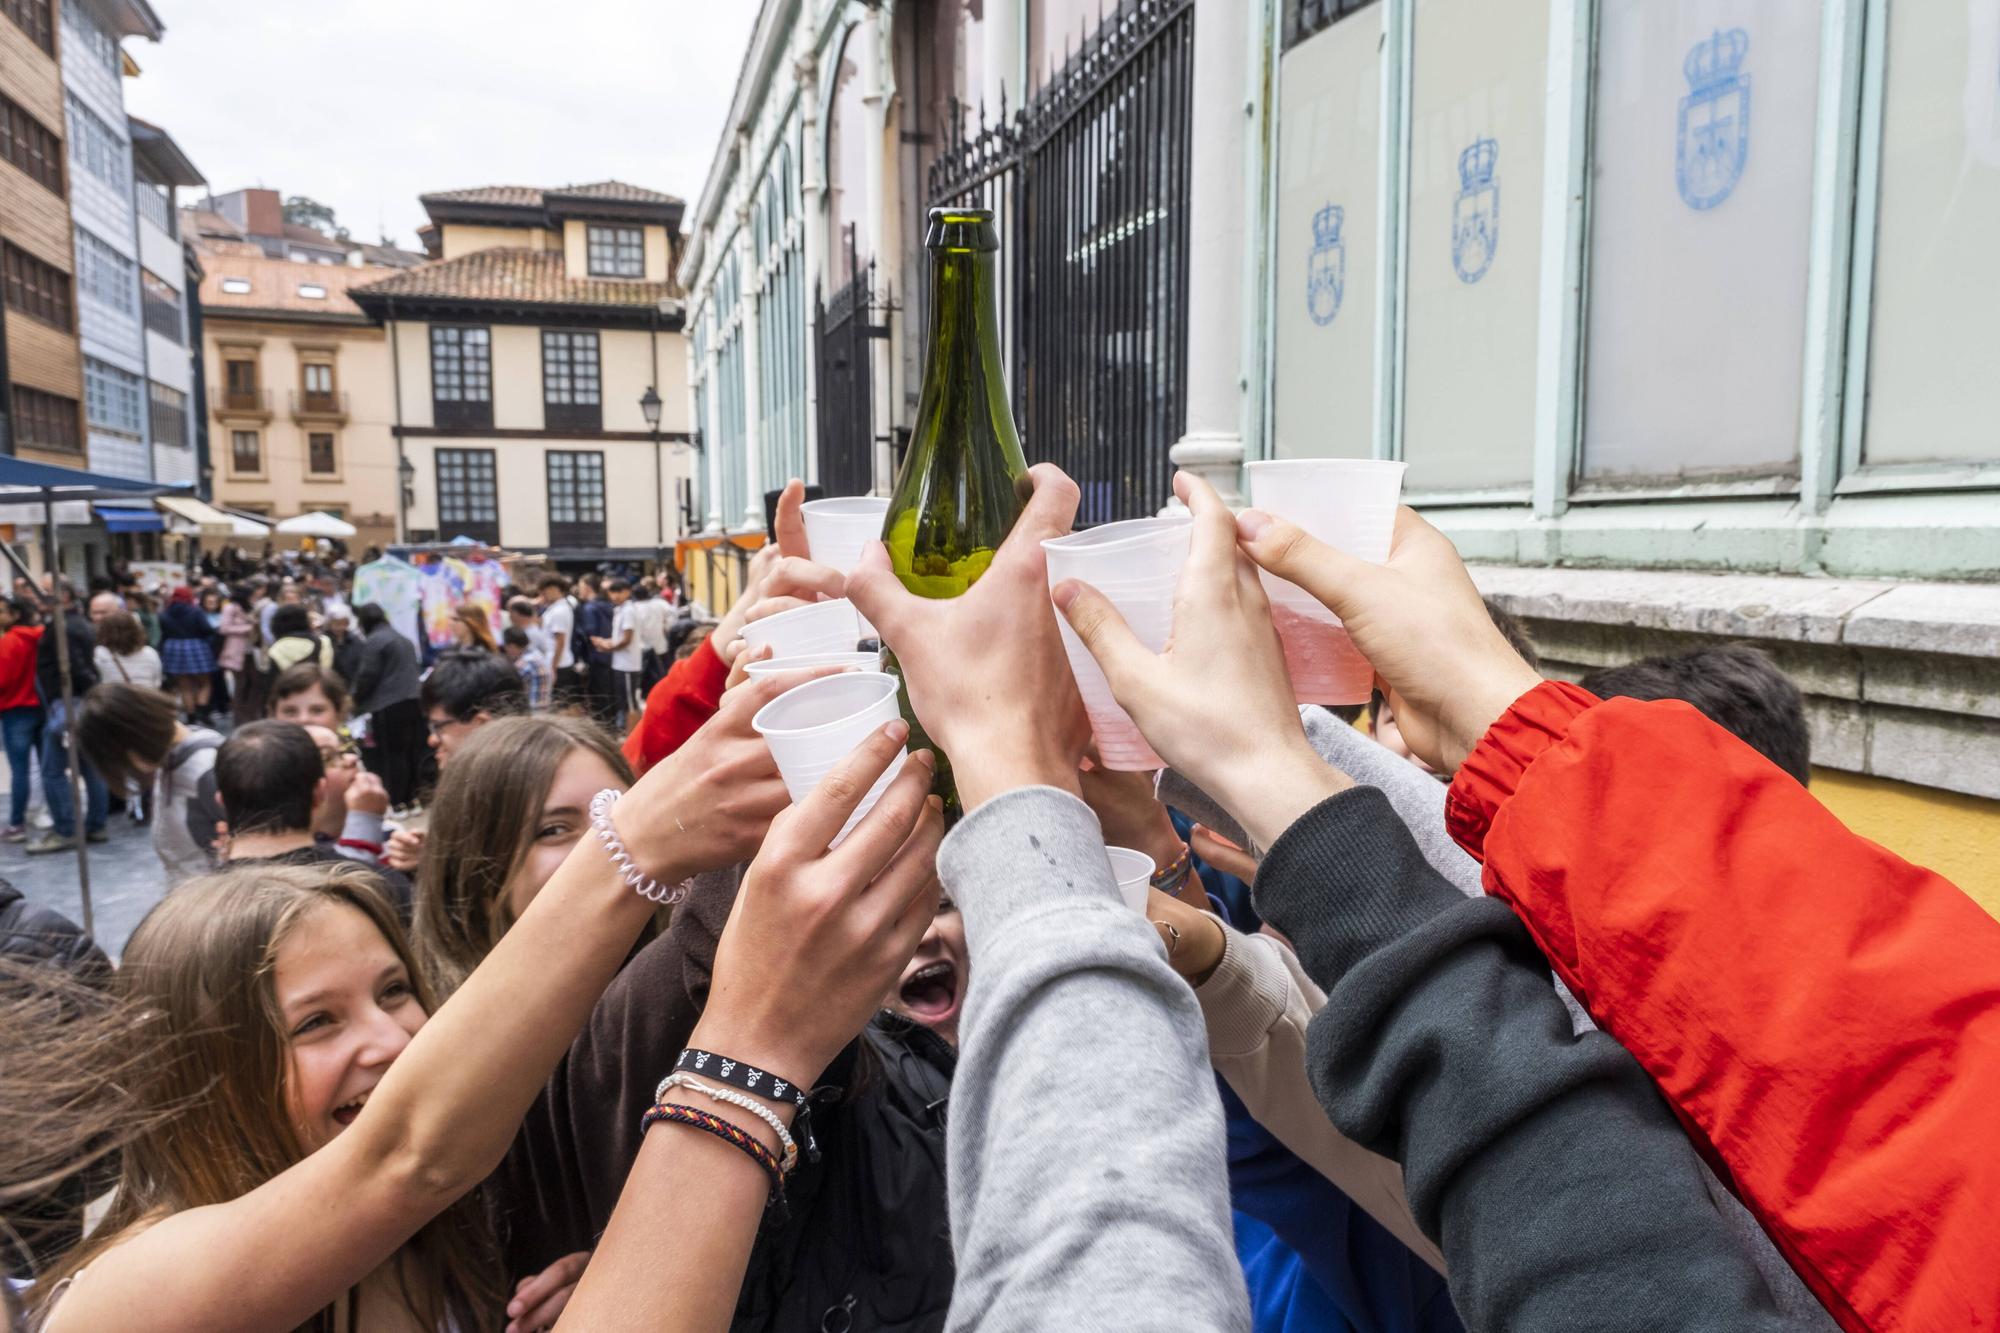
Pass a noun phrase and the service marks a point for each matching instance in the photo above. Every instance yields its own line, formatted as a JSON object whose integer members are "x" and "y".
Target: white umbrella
{"x": 317, "y": 524}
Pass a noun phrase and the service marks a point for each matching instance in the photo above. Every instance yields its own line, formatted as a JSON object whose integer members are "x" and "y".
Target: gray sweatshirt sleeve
{"x": 1553, "y": 1174}
{"x": 1088, "y": 1181}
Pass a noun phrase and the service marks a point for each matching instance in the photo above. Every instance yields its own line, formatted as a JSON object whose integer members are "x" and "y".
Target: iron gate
{"x": 1090, "y": 181}
{"x": 843, "y": 333}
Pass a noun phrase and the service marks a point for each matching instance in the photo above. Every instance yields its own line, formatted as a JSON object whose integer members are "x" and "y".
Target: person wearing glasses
{"x": 349, "y": 817}
{"x": 273, "y": 782}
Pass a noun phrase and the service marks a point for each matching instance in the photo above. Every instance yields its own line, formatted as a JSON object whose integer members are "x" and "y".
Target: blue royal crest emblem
{"x": 1714, "y": 140}
{"x": 1326, "y": 267}
{"x": 1475, "y": 214}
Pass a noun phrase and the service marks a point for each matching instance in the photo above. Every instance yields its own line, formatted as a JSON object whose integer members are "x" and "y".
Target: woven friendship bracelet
{"x": 748, "y": 1077}
{"x": 731, "y": 1097}
{"x": 1170, "y": 879}
{"x": 679, "y": 1113}
{"x": 638, "y": 880}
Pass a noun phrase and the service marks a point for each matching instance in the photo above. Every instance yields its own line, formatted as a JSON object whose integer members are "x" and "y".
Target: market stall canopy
{"x": 129, "y": 518}
{"x": 205, "y": 520}
{"x": 25, "y": 487}
{"x": 316, "y": 524}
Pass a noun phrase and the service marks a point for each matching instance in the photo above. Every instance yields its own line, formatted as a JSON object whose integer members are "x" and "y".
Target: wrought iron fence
{"x": 843, "y": 332}
{"x": 1090, "y": 180}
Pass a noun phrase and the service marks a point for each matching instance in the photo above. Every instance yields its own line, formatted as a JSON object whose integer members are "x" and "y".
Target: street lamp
{"x": 649, "y": 407}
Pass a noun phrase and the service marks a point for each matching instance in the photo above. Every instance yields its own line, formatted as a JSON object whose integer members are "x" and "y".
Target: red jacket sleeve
{"x": 684, "y": 698}
{"x": 1824, "y": 1016}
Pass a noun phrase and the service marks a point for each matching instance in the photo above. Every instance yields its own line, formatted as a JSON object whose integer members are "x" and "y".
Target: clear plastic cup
{"x": 812, "y": 661}
{"x": 1134, "y": 872}
{"x": 839, "y": 529}
{"x": 1350, "y": 504}
{"x": 1136, "y": 565}
{"x": 815, "y": 726}
{"x": 824, "y": 627}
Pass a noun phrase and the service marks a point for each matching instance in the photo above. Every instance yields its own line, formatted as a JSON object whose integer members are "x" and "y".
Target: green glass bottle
{"x": 964, "y": 481}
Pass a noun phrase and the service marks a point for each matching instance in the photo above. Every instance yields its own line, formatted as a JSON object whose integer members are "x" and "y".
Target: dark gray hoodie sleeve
{"x": 1548, "y": 1167}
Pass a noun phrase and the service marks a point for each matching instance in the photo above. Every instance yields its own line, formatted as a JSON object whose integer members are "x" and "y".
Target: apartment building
{"x": 41, "y": 367}
{"x": 159, "y": 169}
{"x": 298, "y": 378}
{"x": 258, "y": 216}
{"x": 105, "y": 229}
{"x": 530, "y": 352}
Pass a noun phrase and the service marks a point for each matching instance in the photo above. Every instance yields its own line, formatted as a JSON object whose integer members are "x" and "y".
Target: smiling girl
{"x": 337, "y": 1125}
{"x": 514, "y": 801}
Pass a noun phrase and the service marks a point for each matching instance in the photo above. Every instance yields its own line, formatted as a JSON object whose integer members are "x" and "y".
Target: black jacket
{"x": 48, "y": 671}
{"x": 867, "y": 1244}
{"x": 35, "y": 1231}
{"x": 385, "y": 670}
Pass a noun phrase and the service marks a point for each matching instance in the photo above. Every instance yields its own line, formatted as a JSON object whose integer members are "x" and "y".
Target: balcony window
{"x": 246, "y": 453}
{"x": 29, "y": 145}
{"x": 616, "y": 252}
{"x": 162, "y": 306}
{"x": 571, "y": 389}
{"x": 322, "y": 458}
{"x": 33, "y": 18}
{"x": 316, "y": 386}
{"x": 468, "y": 494}
{"x": 168, "y": 416}
{"x": 111, "y": 398}
{"x": 46, "y": 421}
{"x": 576, "y": 498}
{"x": 462, "y": 376}
{"x": 239, "y": 385}
{"x": 38, "y": 290}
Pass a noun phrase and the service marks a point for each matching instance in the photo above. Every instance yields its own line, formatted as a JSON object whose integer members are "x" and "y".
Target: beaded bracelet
{"x": 730, "y": 1097}
{"x": 679, "y": 1113}
{"x": 640, "y": 882}
{"x": 1170, "y": 879}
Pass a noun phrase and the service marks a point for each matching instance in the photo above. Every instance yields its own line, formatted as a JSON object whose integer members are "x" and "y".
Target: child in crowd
{"x": 1735, "y": 686}
{"x": 310, "y": 695}
{"x": 134, "y": 736}
{"x": 533, "y": 668}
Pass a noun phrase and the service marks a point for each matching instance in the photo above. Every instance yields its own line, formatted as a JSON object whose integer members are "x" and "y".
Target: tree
{"x": 312, "y": 213}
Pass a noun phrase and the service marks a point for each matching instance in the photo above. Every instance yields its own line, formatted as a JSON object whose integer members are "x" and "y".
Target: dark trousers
{"x": 398, "y": 739}
{"x": 567, "y": 692}
{"x": 56, "y": 788}
{"x": 602, "y": 694}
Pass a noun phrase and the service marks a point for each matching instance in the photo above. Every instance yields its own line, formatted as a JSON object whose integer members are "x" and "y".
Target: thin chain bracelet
{"x": 789, "y": 1157}
{"x": 638, "y": 880}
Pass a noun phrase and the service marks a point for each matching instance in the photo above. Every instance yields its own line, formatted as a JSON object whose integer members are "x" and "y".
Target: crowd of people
{"x": 505, "y": 984}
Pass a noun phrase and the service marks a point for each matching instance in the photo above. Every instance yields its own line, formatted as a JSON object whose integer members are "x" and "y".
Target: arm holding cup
{"x": 848, "y": 918}
{"x": 1067, "y": 974}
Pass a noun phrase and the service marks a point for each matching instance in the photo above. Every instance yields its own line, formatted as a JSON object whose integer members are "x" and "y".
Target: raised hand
{"x": 1216, "y": 703}
{"x": 1446, "y": 668}
{"x": 818, "y": 935}
{"x": 986, "y": 671}
{"x": 708, "y": 804}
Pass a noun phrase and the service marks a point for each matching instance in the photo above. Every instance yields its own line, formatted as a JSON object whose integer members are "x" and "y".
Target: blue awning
{"x": 117, "y": 518}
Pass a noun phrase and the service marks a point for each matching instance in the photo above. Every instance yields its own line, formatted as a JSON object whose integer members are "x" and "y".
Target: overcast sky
{"x": 365, "y": 104}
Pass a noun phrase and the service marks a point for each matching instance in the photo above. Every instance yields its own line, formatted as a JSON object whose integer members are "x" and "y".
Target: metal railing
{"x": 245, "y": 402}
{"x": 843, "y": 339}
{"x": 1091, "y": 183}
{"x": 308, "y": 404}
{"x": 162, "y": 317}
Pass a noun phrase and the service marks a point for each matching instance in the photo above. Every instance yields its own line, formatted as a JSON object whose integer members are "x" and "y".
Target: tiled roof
{"x": 530, "y": 196}
{"x": 275, "y": 283}
{"x": 209, "y": 223}
{"x": 516, "y": 276}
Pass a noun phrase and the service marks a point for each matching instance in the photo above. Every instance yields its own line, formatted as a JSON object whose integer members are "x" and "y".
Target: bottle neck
{"x": 965, "y": 322}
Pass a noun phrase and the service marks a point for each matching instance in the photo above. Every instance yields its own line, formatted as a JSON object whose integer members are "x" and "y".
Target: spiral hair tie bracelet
{"x": 638, "y": 880}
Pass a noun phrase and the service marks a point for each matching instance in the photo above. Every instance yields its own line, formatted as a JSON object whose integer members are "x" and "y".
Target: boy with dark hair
{"x": 1737, "y": 687}
{"x": 517, "y": 647}
{"x": 464, "y": 691}
{"x": 559, "y": 622}
{"x": 271, "y": 779}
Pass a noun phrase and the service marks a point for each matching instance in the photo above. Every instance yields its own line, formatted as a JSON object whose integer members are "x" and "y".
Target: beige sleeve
{"x": 1257, "y": 1004}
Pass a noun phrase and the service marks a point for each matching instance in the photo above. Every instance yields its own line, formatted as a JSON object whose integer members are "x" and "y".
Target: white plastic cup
{"x": 1134, "y": 872}
{"x": 813, "y": 661}
{"x": 824, "y": 627}
{"x": 839, "y": 529}
{"x": 1350, "y": 504}
{"x": 1136, "y": 565}
{"x": 813, "y": 727}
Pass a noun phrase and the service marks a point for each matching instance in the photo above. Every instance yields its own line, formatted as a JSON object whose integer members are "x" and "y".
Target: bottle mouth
{"x": 961, "y": 230}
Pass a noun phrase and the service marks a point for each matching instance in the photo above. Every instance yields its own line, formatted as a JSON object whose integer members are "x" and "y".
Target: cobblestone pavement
{"x": 126, "y": 878}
